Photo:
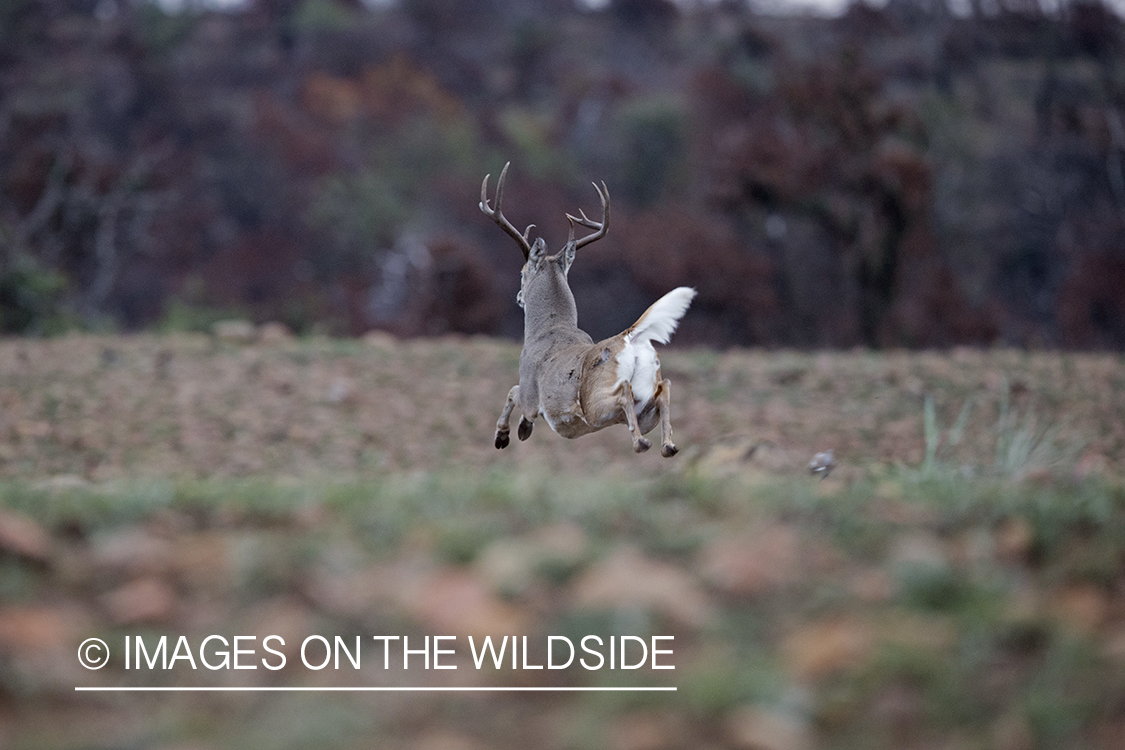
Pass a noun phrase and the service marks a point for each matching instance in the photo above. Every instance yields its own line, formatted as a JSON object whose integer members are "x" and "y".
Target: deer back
{"x": 554, "y": 347}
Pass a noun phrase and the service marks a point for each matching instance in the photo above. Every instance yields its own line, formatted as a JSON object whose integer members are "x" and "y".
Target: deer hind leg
{"x": 628, "y": 405}
{"x": 503, "y": 425}
{"x": 662, "y": 397}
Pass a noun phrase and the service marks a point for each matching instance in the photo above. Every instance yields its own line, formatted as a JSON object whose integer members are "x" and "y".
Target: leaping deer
{"x": 578, "y": 386}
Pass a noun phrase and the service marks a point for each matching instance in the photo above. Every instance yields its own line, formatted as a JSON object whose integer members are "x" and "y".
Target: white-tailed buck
{"x": 578, "y": 386}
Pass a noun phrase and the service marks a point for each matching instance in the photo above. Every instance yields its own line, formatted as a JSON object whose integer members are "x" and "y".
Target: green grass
{"x": 1059, "y": 685}
{"x": 1023, "y": 441}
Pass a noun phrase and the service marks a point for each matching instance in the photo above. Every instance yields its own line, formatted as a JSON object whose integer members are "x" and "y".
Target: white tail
{"x": 578, "y": 386}
{"x": 659, "y": 321}
{"x": 637, "y": 362}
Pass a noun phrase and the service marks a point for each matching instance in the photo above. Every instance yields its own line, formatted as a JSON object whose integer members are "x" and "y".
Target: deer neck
{"x": 549, "y": 310}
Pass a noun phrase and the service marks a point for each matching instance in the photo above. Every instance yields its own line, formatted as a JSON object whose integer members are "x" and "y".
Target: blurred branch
{"x": 1115, "y": 159}
{"x": 122, "y": 197}
{"x": 52, "y": 197}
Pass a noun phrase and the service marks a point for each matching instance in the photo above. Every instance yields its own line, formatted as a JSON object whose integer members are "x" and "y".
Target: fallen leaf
{"x": 754, "y": 728}
{"x": 21, "y": 536}
{"x": 441, "y": 739}
{"x": 131, "y": 553}
{"x": 1114, "y": 646}
{"x": 507, "y": 566}
{"x": 1013, "y": 538}
{"x": 872, "y": 585}
{"x": 39, "y": 627}
{"x": 451, "y": 601}
{"x": 147, "y": 600}
{"x": 207, "y": 561}
{"x": 1083, "y": 607}
{"x": 753, "y": 562}
{"x": 273, "y": 333}
{"x": 235, "y": 331}
{"x": 820, "y": 649}
{"x": 646, "y": 730}
{"x": 1011, "y": 732}
{"x": 629, "y": 579}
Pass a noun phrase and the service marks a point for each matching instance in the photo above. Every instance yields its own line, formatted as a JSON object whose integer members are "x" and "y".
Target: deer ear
{"x": 566, "y": 257}
{"x": 538, "y": 249}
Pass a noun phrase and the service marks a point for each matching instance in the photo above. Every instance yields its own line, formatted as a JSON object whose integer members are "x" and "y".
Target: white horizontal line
{"x": 365, "y": 689}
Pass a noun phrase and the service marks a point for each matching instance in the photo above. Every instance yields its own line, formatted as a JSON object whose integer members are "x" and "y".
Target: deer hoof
{"x": 641, "y": 445}
{"x": 524, "y": 431}
{"x": 668, "y": 450}
{"x": 502, "y": 440}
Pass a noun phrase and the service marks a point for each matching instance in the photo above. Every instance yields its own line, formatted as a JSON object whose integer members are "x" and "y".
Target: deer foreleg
{"x": 503, "y": 425}
{"x": 662, "y": 397}
{"x": 525, "y": 428}
{"x": 627, "y": 404}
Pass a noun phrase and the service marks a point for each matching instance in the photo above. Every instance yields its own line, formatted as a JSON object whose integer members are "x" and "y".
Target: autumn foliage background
{"x": 917, "y": 175}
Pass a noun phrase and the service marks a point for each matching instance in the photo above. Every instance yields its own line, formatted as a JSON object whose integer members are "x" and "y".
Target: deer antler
{"x": 496, "y": 215}
{"x": 602, "y": 226}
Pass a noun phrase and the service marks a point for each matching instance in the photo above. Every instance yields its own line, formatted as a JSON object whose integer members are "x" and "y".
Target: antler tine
{"x": 602, "y": 227}
{"x": 585, "y": 220}
{"x": 498, "y": 216}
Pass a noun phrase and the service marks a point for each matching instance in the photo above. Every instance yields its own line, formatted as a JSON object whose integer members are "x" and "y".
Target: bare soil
{"x": 192, "y": 406}
{"x": 958, "y": 580}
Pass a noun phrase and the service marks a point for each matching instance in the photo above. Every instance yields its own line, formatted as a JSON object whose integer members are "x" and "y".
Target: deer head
{"x": 536, "y": 259}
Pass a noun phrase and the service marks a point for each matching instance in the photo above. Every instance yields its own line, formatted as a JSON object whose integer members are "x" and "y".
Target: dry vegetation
{"x": 196, "y": 406}
{"x": 957, "y": 582}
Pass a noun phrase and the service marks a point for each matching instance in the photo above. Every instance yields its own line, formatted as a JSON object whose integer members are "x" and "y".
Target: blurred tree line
{"x": 933, "y": 172}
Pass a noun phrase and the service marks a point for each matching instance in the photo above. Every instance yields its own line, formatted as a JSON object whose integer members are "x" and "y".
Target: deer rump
{"x": 615, "y": 374}
{"x": 627, "y": 358}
